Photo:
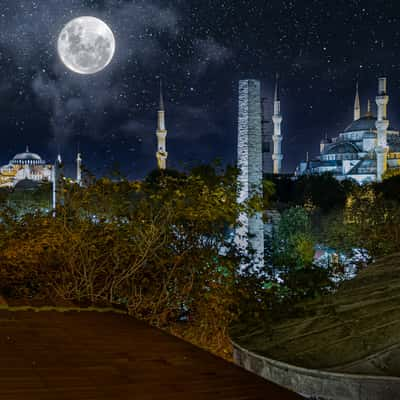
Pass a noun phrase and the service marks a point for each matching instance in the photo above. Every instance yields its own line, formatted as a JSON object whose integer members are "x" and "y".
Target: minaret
{"x": 382, "y": 125}
{"x": 357, "y": 107}
{"x": 162, "y": 154}
{"x": 249, "y": 235}
{"x": 79, "y": 169}
{"x": 54, "y": 188}
{"x": 55, "y": 177}
{"x": 59, "y": 159}
{"x": 369, "y": 112}
{"x": 277, "y": 156}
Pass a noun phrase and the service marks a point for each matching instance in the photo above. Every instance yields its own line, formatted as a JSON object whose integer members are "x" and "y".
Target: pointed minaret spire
{"x": 27, "y": 149}
{"x": 161, "y": 97}
{"x": 79, "y": 167}
{"x": 369, "y": 112}
{"x": 55, "y": 174}
{"x": 277, "y": 136}
{"x": 59, "y": 159}
{"x": 357, "y": 107}
{"x": 276, "y": 96}
{"x": 161, "y": 154}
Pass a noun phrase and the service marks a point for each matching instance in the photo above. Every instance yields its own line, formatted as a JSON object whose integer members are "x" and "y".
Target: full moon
{"x": 86, "y": 45}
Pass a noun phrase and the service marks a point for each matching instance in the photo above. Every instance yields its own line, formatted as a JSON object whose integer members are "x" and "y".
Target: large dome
{"x": 366, "y": 123}
{"x": 27, "y": 158}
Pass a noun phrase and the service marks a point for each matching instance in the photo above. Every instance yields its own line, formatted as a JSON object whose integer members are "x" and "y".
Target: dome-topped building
{"x": 28, "y": 170}
{"x": 364, "y": 151}
{"x": 23, "y": 167}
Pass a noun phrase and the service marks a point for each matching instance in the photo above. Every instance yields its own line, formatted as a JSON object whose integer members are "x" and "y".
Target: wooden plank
{"x": 92, "y": 355}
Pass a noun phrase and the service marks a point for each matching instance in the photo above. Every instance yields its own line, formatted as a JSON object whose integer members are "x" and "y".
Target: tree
{"x": 269, "y": 190}
{"x": 293, "y": 238}
{"x": 159, "y": 247}
{"x": 293, "y": 256}
{"x": 323, "y": 190}
{"x": 390, "y": 186}
{"x": 370, "y": 220}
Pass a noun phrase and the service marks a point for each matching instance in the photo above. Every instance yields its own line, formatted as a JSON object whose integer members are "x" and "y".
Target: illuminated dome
{"x": 341, "y": 148}
{"x": 27, "y": 158}
{"x": 366, "y": 123}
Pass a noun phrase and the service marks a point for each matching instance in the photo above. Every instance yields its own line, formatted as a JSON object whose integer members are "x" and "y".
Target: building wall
{"x": 10, "y": 174}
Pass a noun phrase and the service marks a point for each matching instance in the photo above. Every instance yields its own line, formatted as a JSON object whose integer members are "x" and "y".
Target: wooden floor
{"x": 89, "y": 355}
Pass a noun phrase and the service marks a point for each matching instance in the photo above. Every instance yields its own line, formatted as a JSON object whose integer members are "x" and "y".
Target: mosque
{"x": 365, "y": 150}
{"x": 28, "y": 168}
{"x": 31, "y": 167}
{"x": 25, "y": 166}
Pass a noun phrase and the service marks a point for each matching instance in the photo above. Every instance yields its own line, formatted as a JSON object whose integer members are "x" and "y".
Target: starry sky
{"x": 200, "y": 48}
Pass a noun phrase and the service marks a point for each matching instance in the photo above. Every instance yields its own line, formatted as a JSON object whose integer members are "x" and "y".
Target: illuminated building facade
{"x": 30, "y": 166}
{"x": 365, "y": 150}
{"x": 25, "y": 166}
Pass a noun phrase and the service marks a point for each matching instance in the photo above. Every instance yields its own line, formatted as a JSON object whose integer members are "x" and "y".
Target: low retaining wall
{"x": 318, "y": 384}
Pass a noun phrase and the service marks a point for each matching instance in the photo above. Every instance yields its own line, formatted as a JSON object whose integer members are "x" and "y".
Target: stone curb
{"x": 317, "y": 383}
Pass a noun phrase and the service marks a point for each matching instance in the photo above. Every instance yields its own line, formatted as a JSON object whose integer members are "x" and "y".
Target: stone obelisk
{"x": 250, "y": 233}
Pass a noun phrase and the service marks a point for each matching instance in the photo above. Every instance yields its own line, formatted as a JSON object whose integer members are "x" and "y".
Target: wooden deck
{"x": 88, "y": 355}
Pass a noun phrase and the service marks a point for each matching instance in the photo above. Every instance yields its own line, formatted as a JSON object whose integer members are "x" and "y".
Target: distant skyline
{"x": 200, "y": 49}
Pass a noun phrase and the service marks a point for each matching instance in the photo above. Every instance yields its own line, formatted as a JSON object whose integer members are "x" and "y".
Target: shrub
{"x": 158, "y": 247}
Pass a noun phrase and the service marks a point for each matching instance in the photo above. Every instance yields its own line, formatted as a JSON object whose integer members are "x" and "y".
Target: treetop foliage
{"x": 159, "y": 247}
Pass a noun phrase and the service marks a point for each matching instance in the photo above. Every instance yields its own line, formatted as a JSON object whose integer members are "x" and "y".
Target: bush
{"x": 158, "y": 247}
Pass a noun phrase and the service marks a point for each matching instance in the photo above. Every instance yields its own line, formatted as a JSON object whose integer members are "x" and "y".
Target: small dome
{"x": 344, "y": 147}
{"x": 26, "y": 184}
{"x": 366, "y": 123}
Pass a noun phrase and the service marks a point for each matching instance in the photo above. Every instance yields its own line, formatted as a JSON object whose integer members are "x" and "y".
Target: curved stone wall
{"x": 318, "y": 384}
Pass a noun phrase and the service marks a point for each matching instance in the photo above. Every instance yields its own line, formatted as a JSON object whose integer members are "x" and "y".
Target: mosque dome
{"x": 341, "y": 148}
{"x": 26, "y": 184}
{"x": 27, "y": 158}
{"x": 366, "y": 123}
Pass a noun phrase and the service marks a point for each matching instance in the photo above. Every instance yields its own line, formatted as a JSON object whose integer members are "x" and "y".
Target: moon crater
{"x": 86, "y": 45}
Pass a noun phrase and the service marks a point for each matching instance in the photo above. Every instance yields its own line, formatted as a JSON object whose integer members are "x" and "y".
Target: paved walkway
{"x": 88, "y": 355}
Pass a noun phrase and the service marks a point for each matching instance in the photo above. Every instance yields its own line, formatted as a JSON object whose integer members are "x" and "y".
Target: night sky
{"x": 200, "y": 48}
